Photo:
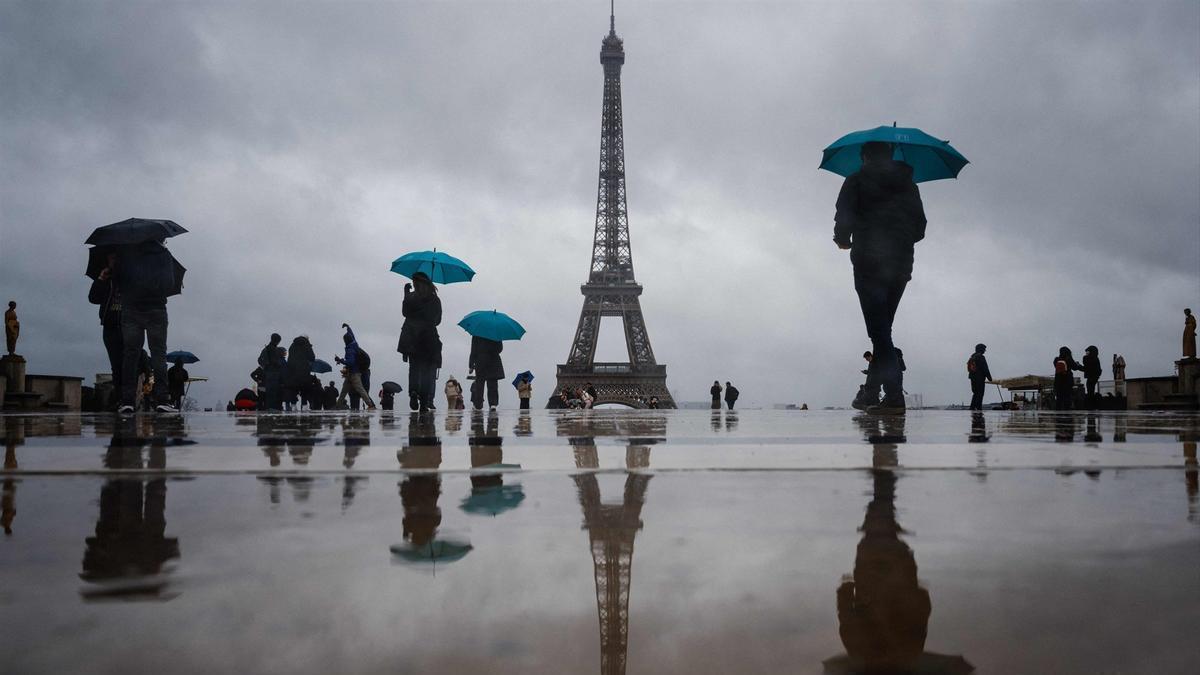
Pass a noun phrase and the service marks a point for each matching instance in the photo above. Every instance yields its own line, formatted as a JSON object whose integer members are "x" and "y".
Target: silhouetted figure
{"x": 979, "y": 374}
{"x": 357, "y": 370}
{"x": 715, "y": 391}
{"x": 145, "y": 273}
{"x": 488, "y": 367}
{"x": 419, "y": 342}
{"x": 454, "y": 394}
{"x": 177, "y": 377}
{"x": 879, "y": 218}
{"x": 272, "y": 362}
{"x": 297, "y": 373}
{"x": 524, "y": 392}
{"x": 387, "y": 399}
{"x": 1091, "y": 373}
{"x": 1189, "y": 334}
{"x": 104, "y": 292}
{"x": 330, "y": 396}
{"x": 731, "y": 395}
{"x": 12, "y": 327}
{"x": 1064, "y": 381}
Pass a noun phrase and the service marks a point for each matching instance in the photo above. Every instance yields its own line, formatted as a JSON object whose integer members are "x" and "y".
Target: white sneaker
{"x": 166, "y": 408}
{"x": 125, "y": 410}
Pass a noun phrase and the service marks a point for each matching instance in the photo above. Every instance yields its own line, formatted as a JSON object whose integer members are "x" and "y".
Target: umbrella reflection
{"x": 419, "y": 492}
{"x": 489, "y": 495}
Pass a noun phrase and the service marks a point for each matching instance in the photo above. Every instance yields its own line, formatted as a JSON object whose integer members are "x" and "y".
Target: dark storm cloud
{"x": 307, "y": 144}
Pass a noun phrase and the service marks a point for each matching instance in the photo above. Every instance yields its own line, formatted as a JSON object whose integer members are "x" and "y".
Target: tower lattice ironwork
{"x": 611, "y": 289}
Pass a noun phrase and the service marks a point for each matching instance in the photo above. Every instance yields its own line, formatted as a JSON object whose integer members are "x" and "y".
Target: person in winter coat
{"x": 1064, "y": 382}
{"x": 420, "y": 344}
{"x": 879, "y": 219}
{"x": 731, "y": 395}
{"x": 272, "y": 361}
{"x": 104, "y": 292}
{"x": 329, "y": 396}
{"x": 454, "y": 394}
{"x": 979, "y": 374}
{"x": 715, "y": 392}
{"x": 524, "y": 392}
{"x": 357, "y": 366}
{"x": 489, "y": 370}
{"x": 145, "y": 274}
{"x": 297, "y": 372}
{"x": 1091, "y": 371}
{"x": 177, "y": 377}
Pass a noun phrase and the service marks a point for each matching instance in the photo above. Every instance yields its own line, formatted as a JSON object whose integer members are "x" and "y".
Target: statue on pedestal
{"x": 12, "y": 327}
{"x": 1189, "y": 334}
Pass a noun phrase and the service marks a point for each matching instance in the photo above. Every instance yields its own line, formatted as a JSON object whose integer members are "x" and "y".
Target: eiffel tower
{"x": 611, "y": 289}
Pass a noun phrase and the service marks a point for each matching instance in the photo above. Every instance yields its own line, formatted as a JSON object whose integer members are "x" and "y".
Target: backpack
{"x": 1060, "y": 366}
{"x": 364, "y": 360}
{"x": 971, "y": 365}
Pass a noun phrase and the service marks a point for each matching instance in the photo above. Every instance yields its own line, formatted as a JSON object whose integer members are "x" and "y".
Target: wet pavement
{"x": 601, "y": 541}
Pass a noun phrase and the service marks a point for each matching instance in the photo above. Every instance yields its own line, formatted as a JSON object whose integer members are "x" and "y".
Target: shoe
{"x": 863, "y": 400}
{"x": 165, "y": 408}
{"x": 125, "y": 410}
{"x": 492, "y": 408}
{"x": 890, "y": 405}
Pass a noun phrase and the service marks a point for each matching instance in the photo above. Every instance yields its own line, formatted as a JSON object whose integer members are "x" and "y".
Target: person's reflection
{"x": 883, "y": 611}
{"x": 356, "y": 435}
{"x": 716, "y": 420}
{"x": 524, "y": 426}
{"x": 979, "y": 432}
{"x": 419, "y": 492}
{"x": 127, "y": 557}
{"x": 454, "y": 420}
{"x": 298, "y": 436}
{"x": 8, "y": 504}
{"x": 1120, "y": 428}
{"x": 1064, "y": 428}
{"x": 731, "y": 421}
{"x": 486, "y": 450}
{"x": 1092, "y": 434}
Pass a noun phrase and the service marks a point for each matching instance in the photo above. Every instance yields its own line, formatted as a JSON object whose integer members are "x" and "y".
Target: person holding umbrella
{"x": 524, "y": 388}
{"x": 488, "y": 367}
{"x": 419, "y": 343}
{"x": 104, "y": 292}
{"x": 177, "y": 377}
{"x": 145, "y": 275}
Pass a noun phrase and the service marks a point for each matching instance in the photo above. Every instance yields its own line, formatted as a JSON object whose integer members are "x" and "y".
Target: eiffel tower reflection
{"x": 612, "y": 527}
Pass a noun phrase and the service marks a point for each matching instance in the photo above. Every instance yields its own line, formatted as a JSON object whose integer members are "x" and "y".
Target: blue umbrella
{"x": 182, "y": 357}
{"x": 492, "y": 325}
{"x": 527, "y": 376}
{"x": 931, "y": 158}
{"x": 439, "y": 267}
{"x": 319, "y": 366}
{"x": 493, "y": 500}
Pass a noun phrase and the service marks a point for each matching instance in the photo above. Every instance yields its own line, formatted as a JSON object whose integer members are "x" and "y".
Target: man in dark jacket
{"x": 879, "y": 219}
{"x": 177, "y": 377}
{"x": 356, "y": 365}
{"x": 489, "y": 370}
{"x": 272, "y": 362}
{"x": 145, "y": 274}
{"x": 731, "y": 395}
{"x": 1091, "y": 373}
{"x": 330, "y": 397}
{"x": 104, "y": 293}
{"x": 979, "y": 374}
{"x": 297, "y": 372}
{"x": 419, "y": 343}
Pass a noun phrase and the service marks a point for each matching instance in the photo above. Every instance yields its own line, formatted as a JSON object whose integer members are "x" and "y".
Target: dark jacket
{"x": 1091, "y": 367}
{"x": 731, "y": 394}
{"x": 485, "y": 359}
{"x": 271, "y": 360}
{"x": 981, "y": 372}
{"x": 716, "y": 392}
{"x": 880, "y": 215}
{"x": 145, "y": 275}
{"x": 1064, "y": 380}
{"x": 298, "y": 371}
{"x": 419, "y": 339}
{"x": 105, "y": 294}
{"x": 177, "y": 378}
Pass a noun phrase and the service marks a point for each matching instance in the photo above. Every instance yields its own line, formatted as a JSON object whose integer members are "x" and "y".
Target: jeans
{"x": 977, "y": 387}
{"x": 422, "y": 376}
{"x": 113, "y": 345}
{"x": 354, "y": 383}
{"x": 879, "y": 296}
{"x": 493, "y": 393}
{"x": 355, "y": 399}
{"x": 149, "y": 325}
{"x": 524, "y": 404}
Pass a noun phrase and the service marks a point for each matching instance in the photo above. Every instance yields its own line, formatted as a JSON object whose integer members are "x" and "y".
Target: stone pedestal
{"x": 12, "y": 367}
{"x": 1189, "y": 373}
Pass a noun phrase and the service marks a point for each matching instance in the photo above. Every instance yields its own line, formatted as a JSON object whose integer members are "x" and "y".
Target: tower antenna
{"x": 612, "y": 16}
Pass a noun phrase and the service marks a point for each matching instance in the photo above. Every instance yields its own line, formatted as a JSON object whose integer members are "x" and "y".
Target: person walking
{"x": 879, "y": 219}
{"x": 145, "y": 274}
{"x": 297, "y": 372}
{"x": 454, "y": 394}
{"x": 356, "y": 362}
{"x": 177, "y": 377}
{"x": 524, "y": 392}
{"x": 979, "y": 374}
{"x": 104, "y": 292}
{"x": 1064, "y": 382}
{"x": 1189, "y": 334}
{"x": 715, "y": 392}
{"x": 489, "y": 370}
{"x": 420, "y": 344}
{"x": 272, "y": 361}
{"x": 1091, "y": 373}
{"x": 731, "y": 395}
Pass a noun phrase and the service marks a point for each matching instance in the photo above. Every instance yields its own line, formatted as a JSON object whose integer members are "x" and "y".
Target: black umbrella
{"x": 392, "y": 387}
{"x": 134, "y": 231}
{"x": 98, "y": 260}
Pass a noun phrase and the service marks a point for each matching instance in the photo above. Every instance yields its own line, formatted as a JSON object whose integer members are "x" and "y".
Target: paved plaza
{"x": 603, "y": 541}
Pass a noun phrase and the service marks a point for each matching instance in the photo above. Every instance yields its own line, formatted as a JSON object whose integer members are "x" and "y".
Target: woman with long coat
{"x": 297, "y": 373}
{"x": 1064, "y": 381}
{"x": 420, "y": 344}
{"x": 489, "y": 370}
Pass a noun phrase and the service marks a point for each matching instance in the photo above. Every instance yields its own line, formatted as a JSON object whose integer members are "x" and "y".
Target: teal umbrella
{"x": 181, "y": 357}
{"x": 492, "y": 325}
{"x": 320, "y": 366}
{"x": 493, "y": 499}
{"x": 439, "y": 267}
{"x": 435, "y": 551}
{"x": 931, "y": 158}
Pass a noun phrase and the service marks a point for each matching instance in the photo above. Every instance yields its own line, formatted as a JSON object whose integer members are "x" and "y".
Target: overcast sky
{"x": 306, "y": 145}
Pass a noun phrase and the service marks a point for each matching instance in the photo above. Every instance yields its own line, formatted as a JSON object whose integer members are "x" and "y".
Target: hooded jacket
{"x": 297, "y": 372}
{"x": 485, "y": 359}
{"x": 419, "y": 339}
{"x": 880, "y": 216}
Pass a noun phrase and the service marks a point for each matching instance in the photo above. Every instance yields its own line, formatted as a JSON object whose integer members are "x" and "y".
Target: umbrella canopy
{"x": 98, "y": 260}
{"x": 181, "y": 356}
{"x": 437, "y": 550}
{"x": 931, "y": 158}
{"x": 392, "y": 387}
{"x": 319, "y": 366}
{"x": 526, "y": 376}
{"x": 439, "y": 267}
{"x": 493, "y": 500}
{"x": 134, "y": 231}
{"x": 492, "y": 325}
